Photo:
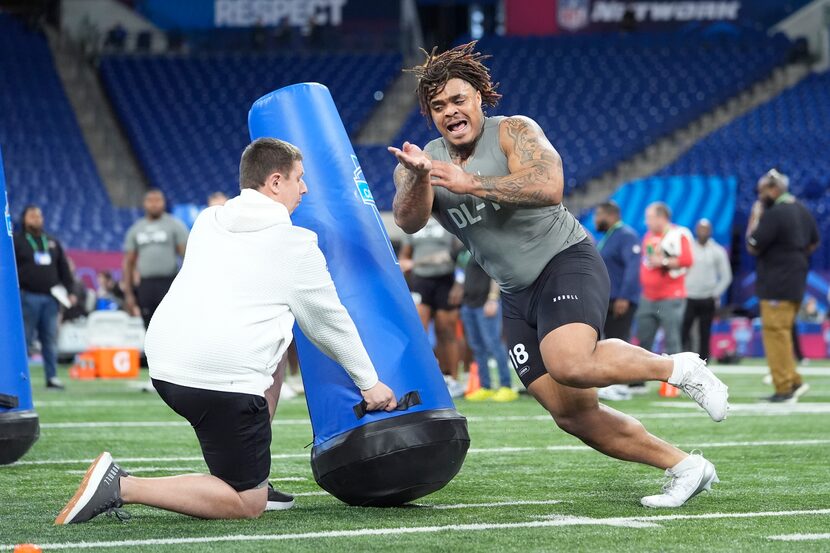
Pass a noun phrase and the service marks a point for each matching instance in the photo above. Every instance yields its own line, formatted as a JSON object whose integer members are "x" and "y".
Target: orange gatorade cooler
{"x": 115, "y": 362}
{"x": 84, "y": 367}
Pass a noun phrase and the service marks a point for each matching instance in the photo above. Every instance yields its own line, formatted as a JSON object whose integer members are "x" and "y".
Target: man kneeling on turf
{"x": 216, "y": 346}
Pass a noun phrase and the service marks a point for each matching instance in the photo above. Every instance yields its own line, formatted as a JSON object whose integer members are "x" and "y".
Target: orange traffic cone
{"x": 667, "y": 390}
{"x": 473, "y": 383}
{"x": 27, "y": 548}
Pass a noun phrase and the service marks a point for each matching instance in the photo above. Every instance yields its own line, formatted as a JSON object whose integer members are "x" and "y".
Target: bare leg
{"x": 445, "y": 325}
{"x": 425, "y": 314}
{"x": 197, "y": 495}
{"x": 577, "y": 412}
{"x": 573, "y": 357}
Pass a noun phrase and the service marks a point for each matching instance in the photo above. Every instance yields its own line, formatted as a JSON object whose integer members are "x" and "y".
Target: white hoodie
{"x": 228, "y": 317}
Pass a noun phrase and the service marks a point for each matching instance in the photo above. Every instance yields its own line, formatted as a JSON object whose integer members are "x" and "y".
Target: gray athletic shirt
{"x": 513, "y": 244}
{"x": 431, "y": 250}
{"x": 156, "y": 241}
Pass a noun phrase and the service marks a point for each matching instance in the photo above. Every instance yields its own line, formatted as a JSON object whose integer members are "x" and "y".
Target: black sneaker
{"x": 55, "y": 384}
{"x": 278, "y": 501}
{"x": 781, "y": 398}
{"x": 99, "y": 492}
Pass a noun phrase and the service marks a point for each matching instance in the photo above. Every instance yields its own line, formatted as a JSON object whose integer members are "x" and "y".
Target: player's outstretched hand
{"x": 379, "y": 397}
{"x": 412, "y": 158}
{"x": 452, "y": 177}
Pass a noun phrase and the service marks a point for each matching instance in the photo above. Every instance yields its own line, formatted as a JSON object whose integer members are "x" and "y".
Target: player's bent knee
{"x": 573, "y": 423}
{"x": 253, "y": 503}
{"x": 570, "y": 373}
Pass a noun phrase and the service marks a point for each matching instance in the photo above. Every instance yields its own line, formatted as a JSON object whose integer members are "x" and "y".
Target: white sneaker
{"x": 699, "y": 383}
{"x": 287, "y": 392}
{"x": 615, "y": 392}
{"x": 454, "y": 387}
{"x": 687, "y": 478}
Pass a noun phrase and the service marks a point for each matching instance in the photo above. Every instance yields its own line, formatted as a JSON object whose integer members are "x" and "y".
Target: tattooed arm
{"x": 535, "y": 178}
{"x": 412, "y": 205}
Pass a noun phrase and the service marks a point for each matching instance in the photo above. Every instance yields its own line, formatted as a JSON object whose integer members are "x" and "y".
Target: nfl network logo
{"x": 572, "y": 15}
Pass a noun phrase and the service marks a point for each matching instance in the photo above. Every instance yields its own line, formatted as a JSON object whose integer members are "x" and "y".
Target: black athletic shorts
{"x": 433, "y": 291}
{"x": 234, "y": 431}
{"x": 572, "y": 288}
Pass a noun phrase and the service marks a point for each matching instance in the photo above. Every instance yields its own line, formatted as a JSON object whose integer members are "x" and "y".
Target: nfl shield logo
{"x": 572, "y": 15}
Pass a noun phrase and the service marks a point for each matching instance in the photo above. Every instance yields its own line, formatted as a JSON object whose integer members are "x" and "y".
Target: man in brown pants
{"x": 782, "y": 233}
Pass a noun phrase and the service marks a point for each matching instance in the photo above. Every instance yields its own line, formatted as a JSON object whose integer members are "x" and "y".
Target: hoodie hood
{"x": 251, "y": 211}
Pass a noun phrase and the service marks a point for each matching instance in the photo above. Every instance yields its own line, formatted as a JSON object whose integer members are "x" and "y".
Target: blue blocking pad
{"x": 363, "y": 458}
{"x": 19, "y": 427}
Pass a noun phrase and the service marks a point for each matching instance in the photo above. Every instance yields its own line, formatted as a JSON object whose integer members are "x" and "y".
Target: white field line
{"x": 487, "y": 450}
{"x": 735, "y": 409}
{"x": 153, "y": 424}
{"x": 187, "y": 470}
{"x": 771, "y": 409}
{"x": 631, "y": 522}
{"x": 494, "y": 504}
{"x": 764, "y": 369}
{"x": 800, "y": 537}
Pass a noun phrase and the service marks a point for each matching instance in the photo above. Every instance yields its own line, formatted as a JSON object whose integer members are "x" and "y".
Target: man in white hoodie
{"x": 216, "y": 343}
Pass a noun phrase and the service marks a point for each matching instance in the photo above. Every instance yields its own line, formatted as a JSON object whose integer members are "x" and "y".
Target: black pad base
{"x": 18, "y": 431}
{"x": 391, "y": 462}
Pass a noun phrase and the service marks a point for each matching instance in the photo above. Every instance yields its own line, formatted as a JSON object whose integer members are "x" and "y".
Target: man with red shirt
{"x": 667, "y": 254}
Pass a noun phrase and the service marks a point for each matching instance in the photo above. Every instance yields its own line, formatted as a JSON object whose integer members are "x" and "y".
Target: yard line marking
{"x": 559, "y": 520}
{"x": 763, "y": 369}
{"x": 153, "y": 424}
{"x": 799, "y": 537}
{"x": 142, "y": 460}
{"x": 99, "y": 403}
{"x": 493, "y": 504}
{"x": 146, "y": 469}
{"x": 309, "y": 494}
{"x": 710, "y": 516}
{"x": 771, "y": 409}
{"x": 736, "y": 409}
{"x": 485, "y": 450}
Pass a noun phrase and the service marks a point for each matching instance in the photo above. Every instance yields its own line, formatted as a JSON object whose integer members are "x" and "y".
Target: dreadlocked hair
{"x": 461, "y": 62}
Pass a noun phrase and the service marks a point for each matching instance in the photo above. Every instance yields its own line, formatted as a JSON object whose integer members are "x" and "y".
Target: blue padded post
{"x": 19, "y": 427}
{"x": 362, "y": 458}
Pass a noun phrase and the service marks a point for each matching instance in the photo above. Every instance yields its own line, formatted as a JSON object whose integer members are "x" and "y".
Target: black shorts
{"x": 234, "y": 431}
{"x": 572, "y": 288}
{"x": 433, "y": 291}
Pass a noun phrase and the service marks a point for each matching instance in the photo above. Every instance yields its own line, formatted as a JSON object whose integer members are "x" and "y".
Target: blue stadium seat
{"x": 790, "y": 133}
{"x": 602, "y": 99}
{"x": 46, "y": 160}
{"x": 187, "y": 116}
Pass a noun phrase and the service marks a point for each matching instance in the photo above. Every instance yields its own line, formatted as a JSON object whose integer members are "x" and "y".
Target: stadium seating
{"x": 46, "y": 160}
{"x": 602, "y": 99}
{"x": 790, "y": 133}
{"x": 187, "y": 116}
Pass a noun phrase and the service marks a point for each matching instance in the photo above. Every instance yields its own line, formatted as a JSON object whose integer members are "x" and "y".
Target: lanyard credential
{"x": 43, "y": 241}
{"x": 608, "y": 234}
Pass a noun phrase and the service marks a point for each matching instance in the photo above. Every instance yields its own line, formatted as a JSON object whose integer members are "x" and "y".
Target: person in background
{"x": 80, "y": 308}
{"x": 216, "y": 198}
{"x": 152, "y": 250}
{"x": 481, "y": 315}
{"x": 782, "y": 234}
{"x": 429, "y": 254}
{"x": 708, "y": 278}
{"x": 109, "y": 291}
{"x": 810, "y": 312}
{"x": 42, "y": 267}
{"x": 667, "y": 254}
{"x": 620, "y": 250}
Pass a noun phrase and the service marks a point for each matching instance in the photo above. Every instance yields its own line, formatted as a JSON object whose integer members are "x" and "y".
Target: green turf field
{"x": 525, "y": 486}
